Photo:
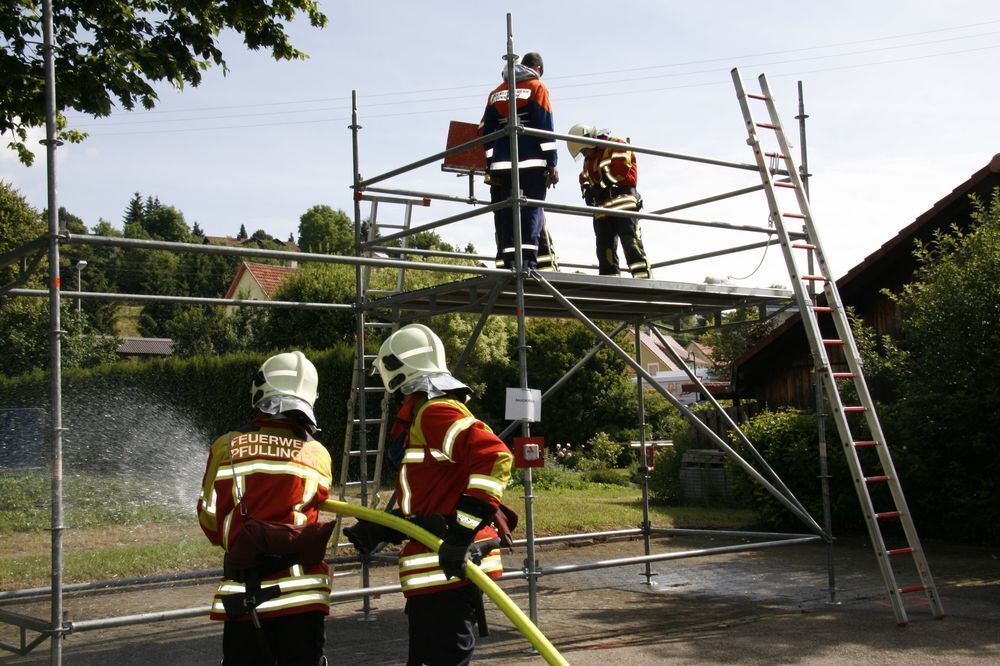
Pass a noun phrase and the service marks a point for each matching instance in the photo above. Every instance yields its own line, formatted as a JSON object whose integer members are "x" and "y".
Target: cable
{"x": 616, "y": 71}
{"x": 751, "y": 273}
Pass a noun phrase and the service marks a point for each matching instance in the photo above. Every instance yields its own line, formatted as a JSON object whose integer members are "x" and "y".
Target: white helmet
{"x": 289, "y": 375}
{"x": 589, "y": 131}
{"x": 411, "y": 352}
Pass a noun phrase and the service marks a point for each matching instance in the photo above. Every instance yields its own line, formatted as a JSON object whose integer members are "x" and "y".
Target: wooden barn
{"x": 778, "y": 370}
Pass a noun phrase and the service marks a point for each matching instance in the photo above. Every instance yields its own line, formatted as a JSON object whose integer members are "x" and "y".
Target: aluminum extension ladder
{"x": 855, "y": 449}
{"x": 356, "y": 447}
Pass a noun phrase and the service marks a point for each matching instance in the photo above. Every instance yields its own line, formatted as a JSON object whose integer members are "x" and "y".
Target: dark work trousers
{"x": 294, "y": 640}
{"x": 532, "y": 218}
{"x": 441, "y": 627}
{"x": 608, "y": 230}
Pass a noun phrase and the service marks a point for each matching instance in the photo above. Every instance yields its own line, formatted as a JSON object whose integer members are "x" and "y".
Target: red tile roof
{"x": 268, "y": 276}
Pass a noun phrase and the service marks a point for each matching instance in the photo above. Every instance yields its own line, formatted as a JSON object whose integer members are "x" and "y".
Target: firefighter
{"x": 608, "y": 180}
{"x": 260, "y": 502}
{"x": 537, "y": 159}
{"x": 451, "y": 479}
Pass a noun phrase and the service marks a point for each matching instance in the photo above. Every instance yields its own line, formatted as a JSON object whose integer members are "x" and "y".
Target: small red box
{"x": 529, "y": 452}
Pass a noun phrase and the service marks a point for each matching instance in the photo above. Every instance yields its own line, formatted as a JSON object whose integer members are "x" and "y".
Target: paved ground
{"x": 768, "y": 606}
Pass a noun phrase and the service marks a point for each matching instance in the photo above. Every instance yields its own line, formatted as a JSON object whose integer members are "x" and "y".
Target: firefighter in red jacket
{"x": 608, "y": 180}
{"x": 537, "y": 159}
{"x": 453, "y": 471}
{"x": 260, "y": 502}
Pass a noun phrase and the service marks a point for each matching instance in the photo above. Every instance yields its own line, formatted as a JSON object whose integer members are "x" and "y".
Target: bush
{"x": 788, "y": 441}
{"x": 550, "y": 477}
{"x": 611, "y": 477}
{"x": 665, "y": 481}
{"x": 600, "y": 452}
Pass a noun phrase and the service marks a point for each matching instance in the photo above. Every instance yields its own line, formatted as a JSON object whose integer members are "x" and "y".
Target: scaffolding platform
{"x": 598, "y": 297}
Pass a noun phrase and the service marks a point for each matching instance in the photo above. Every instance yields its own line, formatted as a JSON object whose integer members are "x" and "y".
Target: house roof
{"x": 268, "y": 276}
{"x": 131, "y": 346}
{"x": 920, "y": 227}
{"x": 652, "y": 344}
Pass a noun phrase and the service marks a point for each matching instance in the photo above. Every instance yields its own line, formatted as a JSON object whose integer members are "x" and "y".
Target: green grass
{"x": 90, "y": 500}
{"x": 115, "y": 534}
{"x": 110, "y": 563}
{"x": 598, "y": 507}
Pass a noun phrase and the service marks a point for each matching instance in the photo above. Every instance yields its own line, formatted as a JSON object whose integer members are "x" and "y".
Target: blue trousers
{"x": 532, "y": 218}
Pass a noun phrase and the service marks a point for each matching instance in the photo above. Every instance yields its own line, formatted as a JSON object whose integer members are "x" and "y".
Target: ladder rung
{"x": 355, "y": 454}
{"x": 382, "y": 291}
{"x": 790, "y": 186}
{"x": 370, "y": 357}
{"x": 822, "y": 308}
{"x": 898, "y": 551}
{"x": 780, "y": 156}
{"x": 876, "y": 479}
{"x": 803, "y": 246}
{"x": 797, "y": 216}
{"x": 832, "y": 341}
{"x": 843, "y": 375}
{"x": 767, "y": 126}
{"x": 855, "y": 408}
{"x": 888, "y": 514}
{"x": 355, "y": 484}
{"x": 865, "y": 442}
{"x": 379, "y": 324}
{"x": 763, "y": 98}
{"x": 912, "y": 588}
{"x": 375, "y": 389}
{"x": 815, "y": 278}
{"x": 391, "y": 226}
{"x": 367, "y": 421}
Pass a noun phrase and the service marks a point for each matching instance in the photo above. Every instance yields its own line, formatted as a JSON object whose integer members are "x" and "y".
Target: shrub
{"x": 611, "y": 477}
{"x": 665, "y": 480}
{"x": 788, "y": 441}
{"x": 601, "y": 452}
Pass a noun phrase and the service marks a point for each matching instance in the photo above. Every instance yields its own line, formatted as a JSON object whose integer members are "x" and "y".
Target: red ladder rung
{"x": 755, "y": 96}
{"x": 803, "y": 246}
{"x": 912, "y": 588}
{"x": 875, "y": 479}
{"x": 767, "y": 126}
{"x": 855, "y": 408}
{"x": 797, "y": 216}
{"x": 888, "y": 514}
{"x": 822, "y": 308}
{"x": 780, "y": 156}
{"x": 843, "y": 375}
{"x": 788, "y": 185}
{"x": 865, "y": 442}
{"x": 898, "y": 551}
{"x": 831, "y": 341}
{"x": 815, "y": 278}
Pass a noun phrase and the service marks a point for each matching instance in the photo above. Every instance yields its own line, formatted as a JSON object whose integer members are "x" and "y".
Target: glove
{"x": 470, "y": 515}
{"x": 366, "y": 536}
{"x": 589, "y": 194}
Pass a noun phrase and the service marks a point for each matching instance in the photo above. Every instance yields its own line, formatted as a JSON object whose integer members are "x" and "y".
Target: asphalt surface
{"x": 761, "y": 607}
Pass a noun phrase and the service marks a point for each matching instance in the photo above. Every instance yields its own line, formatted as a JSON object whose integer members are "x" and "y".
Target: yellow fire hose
{"x": 475, "y": 574}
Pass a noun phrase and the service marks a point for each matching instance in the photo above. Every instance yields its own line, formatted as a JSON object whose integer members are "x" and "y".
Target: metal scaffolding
{"x": 520, "y": 293}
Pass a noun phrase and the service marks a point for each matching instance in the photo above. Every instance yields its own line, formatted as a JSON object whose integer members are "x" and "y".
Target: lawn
{"x": 115, "y": 533}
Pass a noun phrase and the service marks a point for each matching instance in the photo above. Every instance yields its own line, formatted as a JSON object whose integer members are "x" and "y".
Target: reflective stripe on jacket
{"x": 449, "y": 452}
{"x": 283, "y": 476}
{"x": 615, "y": 172}
{"x": 534, "y": 109}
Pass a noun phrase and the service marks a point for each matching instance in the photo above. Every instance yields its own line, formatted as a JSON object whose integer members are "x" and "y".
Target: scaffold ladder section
{"x": 355, "y": 446}
{"x": 854, "y": 447}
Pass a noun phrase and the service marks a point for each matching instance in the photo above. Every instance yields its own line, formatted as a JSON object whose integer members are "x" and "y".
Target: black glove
{"x": 471, "y": 514}
{"x": 589, "y": 194}
{"x": 366, "y": 536}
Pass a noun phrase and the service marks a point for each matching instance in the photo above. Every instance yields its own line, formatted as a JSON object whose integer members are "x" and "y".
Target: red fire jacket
{"x": 283, "y": 475}
{"x": 449, "y": 452}
{"x": 615, "y": 172}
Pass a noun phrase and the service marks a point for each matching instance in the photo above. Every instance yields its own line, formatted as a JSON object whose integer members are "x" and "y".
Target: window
{"x": 652, "y": 368}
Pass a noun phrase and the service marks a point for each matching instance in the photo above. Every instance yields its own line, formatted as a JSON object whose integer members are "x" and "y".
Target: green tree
{"x": 947, "y": 411}
{"x": 323, "y": 229}
{"x": 166, "y": 223}
{"x": 242, "y": 233}
{"x": 740, "y": 330}
{"x": 113, "y": 53}
{"x": 136, "y": 211}
{"x": 19, "y": 224}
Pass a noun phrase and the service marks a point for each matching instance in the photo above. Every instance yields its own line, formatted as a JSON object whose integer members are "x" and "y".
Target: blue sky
{"x": 902, "y": 98}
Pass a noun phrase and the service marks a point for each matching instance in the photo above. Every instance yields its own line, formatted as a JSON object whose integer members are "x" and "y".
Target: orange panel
{"x": 473, "y": 159}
